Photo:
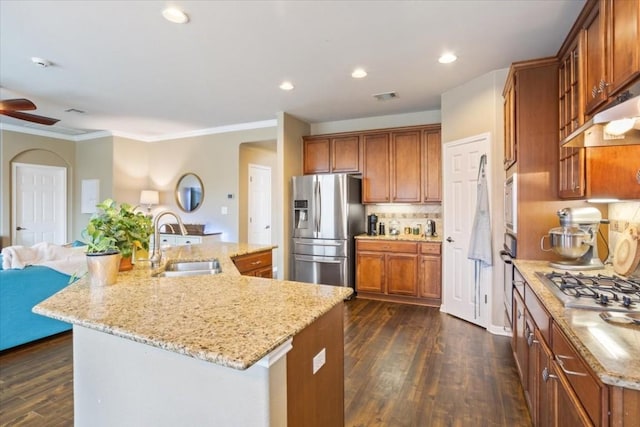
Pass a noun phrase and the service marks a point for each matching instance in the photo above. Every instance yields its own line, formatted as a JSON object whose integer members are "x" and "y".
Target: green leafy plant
{"x": 117, "y": 228}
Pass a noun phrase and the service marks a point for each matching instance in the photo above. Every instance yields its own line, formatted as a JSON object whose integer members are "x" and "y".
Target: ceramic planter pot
{"x": 103, "y": 268}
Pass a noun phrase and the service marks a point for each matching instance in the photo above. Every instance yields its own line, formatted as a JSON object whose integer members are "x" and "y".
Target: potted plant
{"x": 118, "y": 228}
{"x": 103, "y": 256}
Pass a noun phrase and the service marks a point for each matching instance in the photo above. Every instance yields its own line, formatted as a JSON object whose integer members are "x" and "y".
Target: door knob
{"x": 18, "y": 228}
{"x": 449, "y": 239}
{"x": 267, "y": 227}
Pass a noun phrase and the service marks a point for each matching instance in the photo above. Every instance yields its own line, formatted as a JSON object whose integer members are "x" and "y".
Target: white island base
{"x": 119, "y": 382}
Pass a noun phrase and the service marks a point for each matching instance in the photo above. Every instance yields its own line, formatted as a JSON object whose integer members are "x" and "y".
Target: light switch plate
{"x": 224, "y": 210}
{"x": 319, "y": 360}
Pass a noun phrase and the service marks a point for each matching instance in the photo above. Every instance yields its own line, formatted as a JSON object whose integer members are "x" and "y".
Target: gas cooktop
{"x": 597, "y": 292}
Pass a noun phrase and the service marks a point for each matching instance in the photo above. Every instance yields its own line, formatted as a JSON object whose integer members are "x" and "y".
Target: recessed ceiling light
{"x": 447, "y": 58}
{"x": 175, "y": 15}
{"x": 359, "y": 73}
{"x": 286, "y": 86}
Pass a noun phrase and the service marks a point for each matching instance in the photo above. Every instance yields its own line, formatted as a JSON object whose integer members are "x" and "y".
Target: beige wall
{"x": 130, "y": 169}
{"x": 263, "y": 154}
{"x": 27, "y": 148}
{"x": 290, "y": 133}
{"x": 94, "y": 159}
{"x": 471, "y": 109}
{"x": 215, "y": 159}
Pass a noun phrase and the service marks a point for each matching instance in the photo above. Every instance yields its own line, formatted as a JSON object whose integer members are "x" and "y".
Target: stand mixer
{"x": 576, "y": 239}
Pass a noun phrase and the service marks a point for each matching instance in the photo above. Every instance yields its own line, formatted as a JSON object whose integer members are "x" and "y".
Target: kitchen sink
{"x": 190, "y": 268}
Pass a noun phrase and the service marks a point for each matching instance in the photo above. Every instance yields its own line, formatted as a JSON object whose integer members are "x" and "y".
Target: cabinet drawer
{"x": 582, "y": 380}
{"x": 387, "y": 246}
{"x": 253, "y": 261}
{"x": 538, "y": 312}
{"x": 430, "y": 248}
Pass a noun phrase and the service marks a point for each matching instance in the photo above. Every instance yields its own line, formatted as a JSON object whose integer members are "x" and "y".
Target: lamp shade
{"x": 149, "y": 197}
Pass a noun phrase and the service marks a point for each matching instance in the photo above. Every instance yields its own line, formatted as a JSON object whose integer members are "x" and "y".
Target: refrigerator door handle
{"x": 323, "y": 260}
{"x": 318, "y": 244}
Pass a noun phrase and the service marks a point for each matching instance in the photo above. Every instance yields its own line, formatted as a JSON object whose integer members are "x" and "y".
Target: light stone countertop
{"x": 402, "y": 237}
{"x": 611, "y": 350}
{"x": 228, "y": 319}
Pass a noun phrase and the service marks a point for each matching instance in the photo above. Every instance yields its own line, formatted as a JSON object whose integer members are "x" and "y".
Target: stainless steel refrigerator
{"x": 327, "y": 213}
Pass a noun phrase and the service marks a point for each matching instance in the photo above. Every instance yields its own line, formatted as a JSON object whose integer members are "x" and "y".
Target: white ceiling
{"x": 135, "y": 74}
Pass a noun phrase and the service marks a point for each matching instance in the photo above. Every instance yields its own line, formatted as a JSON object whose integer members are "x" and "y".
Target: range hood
{"x": 598, "y": 131}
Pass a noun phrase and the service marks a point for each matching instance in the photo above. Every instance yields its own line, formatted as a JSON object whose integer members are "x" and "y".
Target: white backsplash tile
{"x": 407, "y": 215}
{"x": 621, "y": 216}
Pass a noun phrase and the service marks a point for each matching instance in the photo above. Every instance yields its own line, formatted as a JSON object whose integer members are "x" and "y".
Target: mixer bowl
{"x": 569, "y": 242}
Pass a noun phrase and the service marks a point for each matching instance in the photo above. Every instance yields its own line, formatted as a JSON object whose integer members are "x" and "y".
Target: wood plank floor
{"x": 404, "y": 366}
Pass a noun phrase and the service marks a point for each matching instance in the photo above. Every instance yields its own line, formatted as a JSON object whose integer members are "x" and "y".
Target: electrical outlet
{"x": 224, "y": 210}
{"x": 319, "y": 360}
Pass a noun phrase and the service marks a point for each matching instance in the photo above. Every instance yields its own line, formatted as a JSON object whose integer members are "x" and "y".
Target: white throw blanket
{"x": 63, "y": 259}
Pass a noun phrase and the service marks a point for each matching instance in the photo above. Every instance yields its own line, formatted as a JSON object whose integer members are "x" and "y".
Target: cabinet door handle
{"x": 546, "y": 375}
{"x": 560, "y": 358}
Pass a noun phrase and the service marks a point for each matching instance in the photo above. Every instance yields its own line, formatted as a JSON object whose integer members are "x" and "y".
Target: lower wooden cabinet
{"x": 560, "y": 388}
{"x": 400, "y": 271}
{"x": 257, "y": 264}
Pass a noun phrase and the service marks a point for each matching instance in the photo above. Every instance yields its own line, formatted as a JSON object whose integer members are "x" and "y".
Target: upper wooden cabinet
{"x": 340, "y": 154}
{"x": 398, "y": 165}
{"x": 610, "y": 35}
{"x": 405, "y": 167}
{"x": 376, "y": 168}
{"x": 571, "y": 173}
{"x": 412, "y": 170}
{"x": 431, "y": 166}
{"x": 509, "y": 123}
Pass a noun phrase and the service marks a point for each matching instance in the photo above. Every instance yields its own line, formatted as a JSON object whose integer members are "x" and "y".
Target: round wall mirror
{"x": 189, "y": 192}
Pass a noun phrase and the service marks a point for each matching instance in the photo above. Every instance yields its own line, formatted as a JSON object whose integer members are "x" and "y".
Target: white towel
{"x": 63, "y": 259}
{"x": 480, "y": 246}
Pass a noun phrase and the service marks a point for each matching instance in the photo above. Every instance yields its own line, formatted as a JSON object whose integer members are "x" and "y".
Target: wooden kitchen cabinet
{"x": 325, "y": 154}
{"x": 611, "y": 50}
{"x": 560, "y": 388}
{"x": 431, "y": 166}
{"x": 509, "y": 110}
{"x": 406, "y": 167}
{"x": 613, "y": 172}
{"x": 376, "y": 168}
{"x": 590, "y": 393}
{"x": 571, "y": 172}
{"x": 399, "y": 271}
{"x": 430, "y": 272}
{"x": 398, "y": 165}
{"x": 258, "y": 264}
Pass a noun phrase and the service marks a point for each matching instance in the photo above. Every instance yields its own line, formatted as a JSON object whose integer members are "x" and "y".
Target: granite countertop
{"x": 611, "y": 350}
{"x": 402, "y": 237}
{"x": 228, "y": 319}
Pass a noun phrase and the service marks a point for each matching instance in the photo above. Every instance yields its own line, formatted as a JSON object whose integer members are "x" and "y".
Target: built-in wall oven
{"x": 508, "y": 252}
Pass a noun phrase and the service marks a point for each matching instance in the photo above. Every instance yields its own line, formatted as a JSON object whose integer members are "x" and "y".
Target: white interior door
{"x": 39, "y": 204}
{"x": 259, "y": 228}
{"x": 460, "y": 171}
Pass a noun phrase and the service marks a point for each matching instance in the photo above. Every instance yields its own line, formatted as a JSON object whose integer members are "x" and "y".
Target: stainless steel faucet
{"x": 156, "y": 255}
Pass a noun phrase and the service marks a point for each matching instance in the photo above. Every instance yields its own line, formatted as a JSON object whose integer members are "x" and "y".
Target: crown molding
{"x": 179, "y": 135}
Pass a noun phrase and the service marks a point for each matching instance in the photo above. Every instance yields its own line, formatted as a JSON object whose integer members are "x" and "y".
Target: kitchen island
{"x": 197, "y": 350}
{"x": 595, "y": 363}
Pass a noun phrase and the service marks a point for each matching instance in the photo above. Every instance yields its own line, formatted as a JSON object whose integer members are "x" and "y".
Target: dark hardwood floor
{"x": 404, "y": 366}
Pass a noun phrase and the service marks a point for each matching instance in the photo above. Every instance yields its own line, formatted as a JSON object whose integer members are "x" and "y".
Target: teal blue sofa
{"x": 20, "y": 291}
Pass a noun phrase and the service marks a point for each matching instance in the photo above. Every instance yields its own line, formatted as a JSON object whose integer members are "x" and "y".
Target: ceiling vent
{"x": 385, "y": 96}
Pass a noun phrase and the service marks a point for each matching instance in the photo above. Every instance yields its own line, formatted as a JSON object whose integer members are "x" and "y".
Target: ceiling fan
{"x": 14, "y": 107}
